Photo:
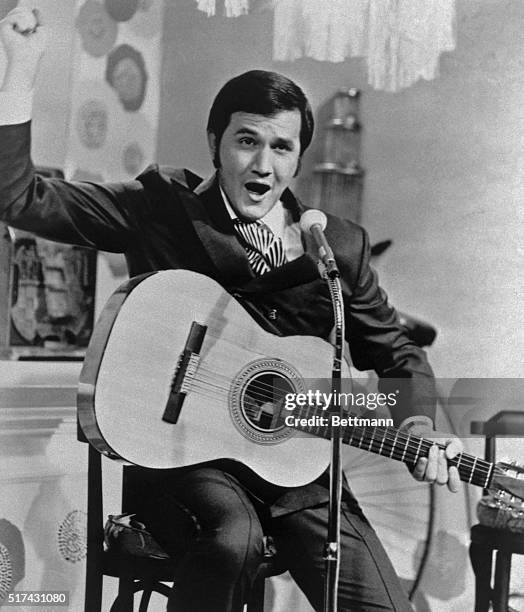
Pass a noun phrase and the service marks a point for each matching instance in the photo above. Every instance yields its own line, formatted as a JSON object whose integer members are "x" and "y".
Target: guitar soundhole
{"x": 256, "y": 399}
{"x": 262, "y": 400}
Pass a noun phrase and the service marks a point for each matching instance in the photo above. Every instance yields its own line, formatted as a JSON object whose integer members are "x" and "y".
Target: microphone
{"x": 314, "y": 222}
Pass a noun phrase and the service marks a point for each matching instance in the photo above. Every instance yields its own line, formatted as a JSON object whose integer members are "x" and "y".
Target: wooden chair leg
{"x": 93, "y": 592}
{"x": 128, "y": 587}
{"x": 144, "y": 600}
{"x": 125, "y": 599}
{"x": 94, "y": 570}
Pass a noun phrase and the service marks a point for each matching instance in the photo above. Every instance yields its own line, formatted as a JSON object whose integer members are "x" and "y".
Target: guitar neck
{"x": 394, "y": 444}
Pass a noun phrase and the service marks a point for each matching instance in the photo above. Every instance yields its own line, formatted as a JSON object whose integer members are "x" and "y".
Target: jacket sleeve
{"x": 378, "y": 341}
{"x": 103, "y": 216}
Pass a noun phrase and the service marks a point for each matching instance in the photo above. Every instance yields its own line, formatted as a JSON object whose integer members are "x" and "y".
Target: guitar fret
{"x": 307, "y": 408}
{"x": 418, "y": 449}
{"x": 490, "y": 471}
{"x": 317, "y": 425}
{"x": 394, "y": 443}
{"x": 390, "y": 442}
{"x": 351, "y": 435}
{"x": 314, "y": 427}
{"x": 472, "y": 470}
{"x": 405, "y": 447}
{"x": 372, "y": 438}
{"x": 382, "y": 443}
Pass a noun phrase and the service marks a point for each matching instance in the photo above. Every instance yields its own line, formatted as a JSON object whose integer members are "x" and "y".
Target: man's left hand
{"x": 435, "y": 467}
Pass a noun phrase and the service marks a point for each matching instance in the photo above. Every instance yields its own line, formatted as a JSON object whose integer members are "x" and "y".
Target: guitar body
{"x": 133, "y": 363}
{"x": 177, "y": 373}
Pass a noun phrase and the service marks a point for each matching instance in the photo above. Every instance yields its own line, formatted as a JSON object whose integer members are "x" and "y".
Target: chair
{"x": 486, "y": 540}
{"x": 139, "y": 574}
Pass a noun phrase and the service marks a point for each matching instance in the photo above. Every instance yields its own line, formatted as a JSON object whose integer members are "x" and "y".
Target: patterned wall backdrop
{"x": 115, "y": 89}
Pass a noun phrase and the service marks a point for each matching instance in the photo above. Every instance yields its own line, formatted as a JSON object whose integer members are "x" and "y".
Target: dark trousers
{"x": 218, "y": 569}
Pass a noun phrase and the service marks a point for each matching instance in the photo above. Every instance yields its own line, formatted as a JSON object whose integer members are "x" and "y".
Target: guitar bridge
{"x": 185, "y": 372}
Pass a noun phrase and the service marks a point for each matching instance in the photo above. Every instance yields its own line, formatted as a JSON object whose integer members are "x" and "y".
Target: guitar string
{"x": 389, "y": 444}
{"x": 399, "y": 436}
{"x": 258, "y": 387}
{"x": 464, "y": 458}
{"x": 226, "y": 378}
{"x": 258, "y": 383}
{"x": 411, "y": 452}
{"x": 412, "y": 444}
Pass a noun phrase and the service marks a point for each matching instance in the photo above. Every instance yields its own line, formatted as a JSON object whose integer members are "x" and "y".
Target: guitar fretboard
{"x": 392, "y": 443}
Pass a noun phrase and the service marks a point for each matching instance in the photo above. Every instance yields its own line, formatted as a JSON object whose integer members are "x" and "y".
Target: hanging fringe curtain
{"x": 232, "y": 8}
{"x": 400, "y": 40}
{"x": 323, "y": 31}
{"x": 207, "y": 6}
{"x": 405, "y": 39}
{"x": 235, "y": 8}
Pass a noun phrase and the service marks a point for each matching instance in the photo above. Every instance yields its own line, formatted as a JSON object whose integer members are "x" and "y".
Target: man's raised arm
{"x": 97, "y": 216}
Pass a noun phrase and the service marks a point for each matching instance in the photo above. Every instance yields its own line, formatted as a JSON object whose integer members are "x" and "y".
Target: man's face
{"x": 259, "y": 156}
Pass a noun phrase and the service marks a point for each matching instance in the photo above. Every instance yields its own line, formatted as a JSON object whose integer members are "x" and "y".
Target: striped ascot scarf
{"x": 264, "y": 250}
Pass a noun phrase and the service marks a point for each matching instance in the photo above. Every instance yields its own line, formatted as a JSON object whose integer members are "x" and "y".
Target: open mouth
{"x": 257, "y": 188}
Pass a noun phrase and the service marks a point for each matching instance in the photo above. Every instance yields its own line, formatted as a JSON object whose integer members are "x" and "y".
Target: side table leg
{"x": 501, "y": 587}
{"x": 481, "y": 560}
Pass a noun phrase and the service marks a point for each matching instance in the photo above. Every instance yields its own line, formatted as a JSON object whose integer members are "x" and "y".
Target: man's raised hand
{"x": 23, "y": 38}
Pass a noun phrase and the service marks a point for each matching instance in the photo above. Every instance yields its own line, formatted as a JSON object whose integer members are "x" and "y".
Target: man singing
{"x": 239, "y": 227}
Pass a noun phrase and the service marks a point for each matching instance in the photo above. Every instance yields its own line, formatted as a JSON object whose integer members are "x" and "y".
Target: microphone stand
{"x": 314, "y": 222}
{"x": 332, "y": 550}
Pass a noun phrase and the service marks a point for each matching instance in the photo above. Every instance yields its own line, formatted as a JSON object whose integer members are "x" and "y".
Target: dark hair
{"x": 261, "y": 93}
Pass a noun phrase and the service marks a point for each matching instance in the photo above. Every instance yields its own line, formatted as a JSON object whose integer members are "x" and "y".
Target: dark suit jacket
{"x": 160, "y": 223}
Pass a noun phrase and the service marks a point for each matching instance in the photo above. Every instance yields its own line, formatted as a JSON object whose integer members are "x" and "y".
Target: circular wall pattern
{"x": 97, "y": 30}
{"x": 147, "y": 21}
{"x": 126, "y": 73}
{"x": 121, "y": 10}
{"x": 92, "y": 123}
{"x": 6, "y": 572}
{"x": 131, "y": 148}
{"x": 133, "y": 158}
{"x": 72, "y": 536}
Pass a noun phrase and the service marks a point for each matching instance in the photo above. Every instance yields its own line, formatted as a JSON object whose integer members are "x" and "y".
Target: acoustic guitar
{"x": 177, "y": 373}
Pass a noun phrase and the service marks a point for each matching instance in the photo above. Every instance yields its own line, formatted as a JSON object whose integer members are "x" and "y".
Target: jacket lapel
{"x": 215, "y": 230}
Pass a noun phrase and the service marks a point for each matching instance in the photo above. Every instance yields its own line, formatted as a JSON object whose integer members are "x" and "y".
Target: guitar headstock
{"x": 509, "y": 478}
